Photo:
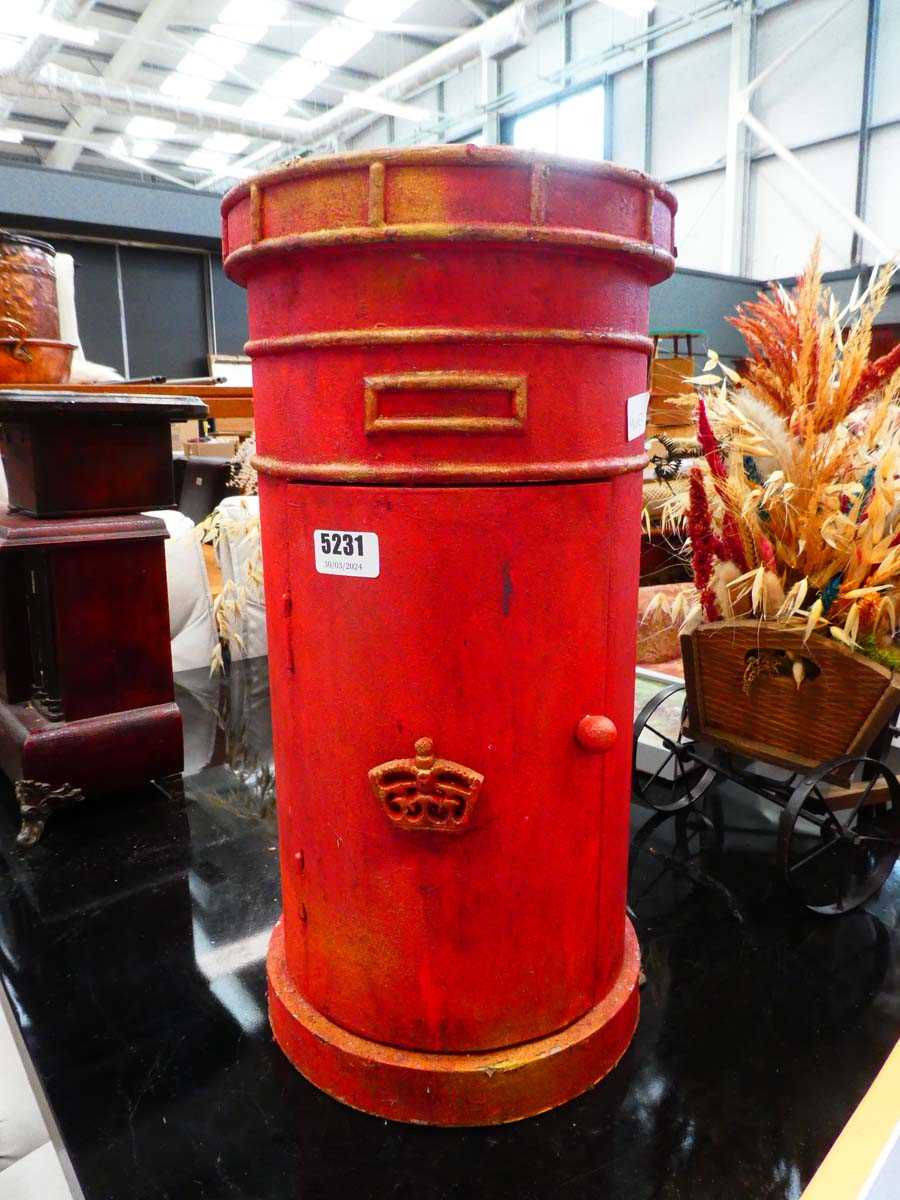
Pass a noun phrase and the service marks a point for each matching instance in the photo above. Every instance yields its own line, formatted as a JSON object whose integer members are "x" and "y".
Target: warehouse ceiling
{"x": 203, "y": 92}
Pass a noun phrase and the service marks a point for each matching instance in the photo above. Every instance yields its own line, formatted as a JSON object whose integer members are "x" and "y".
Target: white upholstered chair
{"x": 191, "y": 625}
{"x": 29, "y": 1165}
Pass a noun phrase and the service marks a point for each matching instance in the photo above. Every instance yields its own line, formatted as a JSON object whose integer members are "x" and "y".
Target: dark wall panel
{"x": 165, "y": 312}
{"x": 76, "y": 202}
{"x": 230, "y": 305}
{"x": 702, "y": 300}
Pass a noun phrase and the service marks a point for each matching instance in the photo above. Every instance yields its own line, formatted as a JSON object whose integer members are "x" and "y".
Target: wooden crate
{"x": 840, "y": 711}
{"x": 668, "y": 375}
{"x": 184, "y": 431}
{"x": 240, "y": 427}
{"x": 667, "y": 386}
{"x": 214, "y": 447}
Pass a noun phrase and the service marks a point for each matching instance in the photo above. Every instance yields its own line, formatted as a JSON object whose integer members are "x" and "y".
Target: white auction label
{"x": 637, "y": 414}
{"x": 346, "y": 552}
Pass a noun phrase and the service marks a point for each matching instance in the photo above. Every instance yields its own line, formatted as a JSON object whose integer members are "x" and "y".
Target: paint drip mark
{"x": 507, "y": 590}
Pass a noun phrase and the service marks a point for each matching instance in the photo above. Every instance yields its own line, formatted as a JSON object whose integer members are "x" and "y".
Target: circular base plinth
{"x": 454, "y": 1089}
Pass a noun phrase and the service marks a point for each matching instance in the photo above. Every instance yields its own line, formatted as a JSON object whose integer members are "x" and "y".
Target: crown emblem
{"x": 426, "y": 792}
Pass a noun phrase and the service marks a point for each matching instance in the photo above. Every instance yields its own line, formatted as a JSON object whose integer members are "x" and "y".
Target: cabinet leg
{"x": 37, "y": 802}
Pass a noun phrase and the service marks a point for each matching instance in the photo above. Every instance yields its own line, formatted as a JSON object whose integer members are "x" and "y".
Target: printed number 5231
{"x": 341, "y": 543}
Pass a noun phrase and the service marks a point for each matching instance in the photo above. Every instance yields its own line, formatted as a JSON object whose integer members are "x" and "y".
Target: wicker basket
{"x": 742, "y": 696}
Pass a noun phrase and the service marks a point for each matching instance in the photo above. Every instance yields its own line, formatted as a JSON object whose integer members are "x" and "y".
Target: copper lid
{"x": 6, "y": 235}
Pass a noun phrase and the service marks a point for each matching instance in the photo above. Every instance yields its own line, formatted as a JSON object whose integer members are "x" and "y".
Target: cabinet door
{"x": 485, "y": 628}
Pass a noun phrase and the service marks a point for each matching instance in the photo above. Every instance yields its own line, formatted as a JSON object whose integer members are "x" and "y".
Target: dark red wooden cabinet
{"x": 86, "y": 692}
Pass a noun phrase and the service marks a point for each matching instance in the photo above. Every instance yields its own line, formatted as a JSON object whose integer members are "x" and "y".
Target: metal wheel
{"x": 664, "y": 871}
{"x": 678, "y": 780}
{"x": 837, "y": 847}
{"x": 700, "y": 828}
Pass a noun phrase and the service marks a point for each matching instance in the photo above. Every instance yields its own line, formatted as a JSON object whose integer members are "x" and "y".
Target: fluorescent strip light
{"x": 13, "y": 136}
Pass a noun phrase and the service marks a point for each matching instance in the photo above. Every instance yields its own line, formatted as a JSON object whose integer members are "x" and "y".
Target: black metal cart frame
{"x": 836, "y": 844}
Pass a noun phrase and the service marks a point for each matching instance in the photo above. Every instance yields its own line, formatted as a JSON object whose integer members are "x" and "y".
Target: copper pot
{"x": 32, "y": 360}
{"x": 28, "y": 285}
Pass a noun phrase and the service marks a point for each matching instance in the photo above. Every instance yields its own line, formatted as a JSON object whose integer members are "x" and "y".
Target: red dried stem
{"x": 702, "y": 544}
{"x": 731, "y": 546}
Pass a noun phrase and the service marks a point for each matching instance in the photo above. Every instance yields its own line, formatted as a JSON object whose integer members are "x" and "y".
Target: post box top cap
{"x": 446, "y": 195}
{"x": 466, "y": 154}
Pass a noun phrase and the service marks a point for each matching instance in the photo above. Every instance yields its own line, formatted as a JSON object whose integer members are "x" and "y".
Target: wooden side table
{"x": 86, "y": 692}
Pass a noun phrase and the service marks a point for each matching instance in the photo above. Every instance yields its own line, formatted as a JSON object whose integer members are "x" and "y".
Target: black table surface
{"x": 132, "y": 943}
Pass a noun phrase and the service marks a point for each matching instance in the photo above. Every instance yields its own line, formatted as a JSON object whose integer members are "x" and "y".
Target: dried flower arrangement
{"x": 243, "y": 473}
{"x": 794, "y": 516}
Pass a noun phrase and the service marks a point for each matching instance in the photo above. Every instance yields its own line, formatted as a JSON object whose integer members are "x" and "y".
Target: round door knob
{"x": 597, "y": 734}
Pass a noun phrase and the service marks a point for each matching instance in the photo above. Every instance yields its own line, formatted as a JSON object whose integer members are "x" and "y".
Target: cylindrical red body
{"x": 444, "y": 346}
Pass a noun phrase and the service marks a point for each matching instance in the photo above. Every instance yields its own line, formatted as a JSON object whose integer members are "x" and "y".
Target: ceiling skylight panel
{"x": 329, "y": 47}
{"x": 264, "y": 107}
{"x": 296, "y": 79}
{"x": 194, "y": 64}
{"x": 186, "y": 87}
{"x": 336, "y": 43}
{"x": 14, "y": 29}
{"x": 379, "y": 12}
{"x": 204, "y": 65}
{"x": 142, "y": 148}
{"x": 225, "y": 51}
{"x": 226, "y": 143}
{"x": 20, "y": 18}
{"x": 252, "y": 16}
{"x": 149, "y": 127}
{"x": 209, "y": 160}
{"x": 11, "y": 50}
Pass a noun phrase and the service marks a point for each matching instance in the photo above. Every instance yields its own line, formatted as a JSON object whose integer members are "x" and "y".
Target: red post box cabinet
{"x": 450, "y": 354}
